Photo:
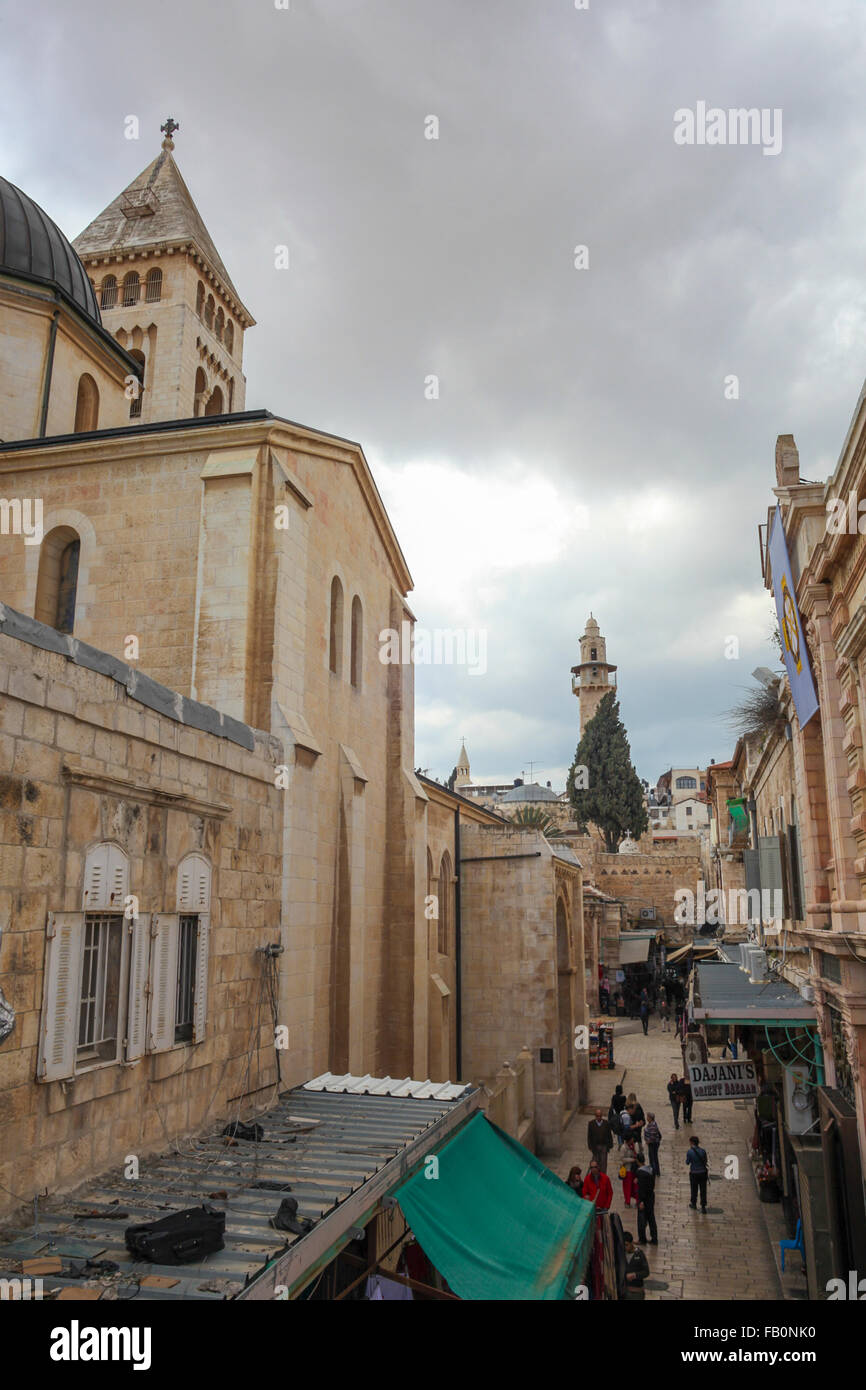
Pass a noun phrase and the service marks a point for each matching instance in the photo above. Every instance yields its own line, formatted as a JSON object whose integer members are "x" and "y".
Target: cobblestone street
{"x": 725, "y": 1254}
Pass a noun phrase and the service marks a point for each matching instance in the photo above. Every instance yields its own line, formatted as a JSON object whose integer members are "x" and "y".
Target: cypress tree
{"x": 613, "y": 798}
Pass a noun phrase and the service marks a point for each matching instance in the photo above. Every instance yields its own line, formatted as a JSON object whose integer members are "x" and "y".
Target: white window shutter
{"x": 164, "y": 934}
{"x": 139, "y": 959}
{"x": 106, "y": 878}
{"x": 199, "y": 1008}
{"x": 61, "y": 998}
{"x": 193, "y": 884}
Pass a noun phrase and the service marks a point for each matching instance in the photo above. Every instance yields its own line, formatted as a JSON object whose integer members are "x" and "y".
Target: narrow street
{"x": 725, "y": 1254}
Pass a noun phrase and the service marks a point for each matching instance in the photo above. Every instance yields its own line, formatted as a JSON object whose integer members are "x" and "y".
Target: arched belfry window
{"x": 209, "y": 311}
{"x": 230, "y": 336}
{"x": 219, "y": 325}
{"x": 86, "y": 405}
{"x": 335, "y": 657}
{"x": 108, "y": 298}
{"x": 153, "y": 285}
{"x": 131, "y": 288}
{"x": 136, "y": 403}
{"x": 357, "y": 641}
{"x": 200, "y": 392}
{"x": 215, "y": 404}
{"x": 57, "y": 581}
{"x": 199, "y": 299}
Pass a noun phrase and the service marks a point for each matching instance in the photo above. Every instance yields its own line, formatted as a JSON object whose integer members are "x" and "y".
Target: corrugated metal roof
{"x": 726, "y": 993}
{"x": 320, "y": 1144}
{"x": 386, "y": 1086}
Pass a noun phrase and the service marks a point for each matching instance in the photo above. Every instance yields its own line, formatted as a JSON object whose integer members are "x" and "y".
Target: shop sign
{"x": 723, "y": 1080}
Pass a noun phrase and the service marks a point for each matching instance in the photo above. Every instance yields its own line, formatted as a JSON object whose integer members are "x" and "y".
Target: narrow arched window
{"x": 108, "y": 298}
{"x": 446, "y": 890}
{"x": 200, "y": 392}
{"x": 229, "y": 336}
{"x": 136, "y": 402}
{"x": 220, "y": 324}
{"x": 57, "y": 579}
{"x": 199, "y": 299}
{"x": 86, "y": 405}
{"x": 131, "y": 288}
{"x": 215, "y": 404}
{"x": 357, "y": 640}
{"x": 335, "y": 661}
{"x": 208, "y": 311}
{"x": 153, "y": 285}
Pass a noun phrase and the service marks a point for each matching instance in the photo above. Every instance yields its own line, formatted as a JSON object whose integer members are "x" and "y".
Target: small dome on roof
{"x": 32, "y": 246}
{"x": 532, "y": 792}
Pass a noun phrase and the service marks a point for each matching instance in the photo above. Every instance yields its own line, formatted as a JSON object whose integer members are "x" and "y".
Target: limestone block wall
{"x": 83, "y": 761}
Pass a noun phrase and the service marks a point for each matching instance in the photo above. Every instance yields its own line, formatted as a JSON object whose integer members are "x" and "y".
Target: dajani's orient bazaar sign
{"x": 723, "y": 1080}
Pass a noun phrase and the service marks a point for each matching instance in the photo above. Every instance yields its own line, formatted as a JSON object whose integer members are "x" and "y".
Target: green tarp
{"x": 495, "y": 1221}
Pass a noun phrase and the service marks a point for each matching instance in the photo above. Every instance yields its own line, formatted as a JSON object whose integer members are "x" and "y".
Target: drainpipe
{"x": 49, "y": 367}
{"x": 458, "y": 966}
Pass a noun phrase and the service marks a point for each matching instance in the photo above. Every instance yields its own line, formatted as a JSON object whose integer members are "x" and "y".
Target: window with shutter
{"x": 199, "y": 1015}
{"x": 62, "y": 996}
{"x": 193, "y": 884}
{"x": 164, "y": 932}
{"x": 106, "y": 878}
{"x": 139, "y": 959}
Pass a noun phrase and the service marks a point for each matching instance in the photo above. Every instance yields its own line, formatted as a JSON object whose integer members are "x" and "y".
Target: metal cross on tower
{"x": 169, "y": 128}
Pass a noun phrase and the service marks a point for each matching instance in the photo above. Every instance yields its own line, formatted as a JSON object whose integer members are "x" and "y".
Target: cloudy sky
{"x": 581, "y": 454}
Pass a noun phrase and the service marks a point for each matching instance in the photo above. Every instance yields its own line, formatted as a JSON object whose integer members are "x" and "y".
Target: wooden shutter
{"x": 199, "y": 1008}
{"x": 193, "y": 884}
{"x": 139, "y": 958}
{"x": 164, "y": 934}
{"x": 106, "y": 879}
{"x": 61, "y": 998}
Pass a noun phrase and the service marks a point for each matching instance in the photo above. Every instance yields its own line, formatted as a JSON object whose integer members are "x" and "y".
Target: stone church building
{"x": 212, "y": 834}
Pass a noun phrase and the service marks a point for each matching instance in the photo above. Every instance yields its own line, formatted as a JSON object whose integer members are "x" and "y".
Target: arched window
{"x": 208, "y": 311}
{"x": 335, "y": 660}
{"x": 446, "y": 891}
{"x": 231, "y": 395}
{"x": 215, "y": 404}
{"x": 199, "y": 299}
{"x": 153, "y": 285}
{"x": 108, "y": 298}
{"x": 229, "y": 336}
{"x": 220, "y": 324}
{"x": 135, "y": 403}
{"x": 86, "y": 405}
{"x": 57, "y": 580}
{"x": 357, "y": 641}
{"x": 685, "y": 783}
{"x": 200, "y": 391}
{"x": 131, "y": 288}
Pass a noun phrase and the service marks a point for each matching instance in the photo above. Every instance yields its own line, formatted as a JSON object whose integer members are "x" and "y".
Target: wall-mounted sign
{"x": 723, "y": 1080}
{"x": 790, "y": 624}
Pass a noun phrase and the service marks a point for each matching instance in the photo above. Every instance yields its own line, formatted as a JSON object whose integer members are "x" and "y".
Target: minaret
{"x": 166, "y": 296}
{"x": 463, "y": 778}
{"x": 593, "y": 678}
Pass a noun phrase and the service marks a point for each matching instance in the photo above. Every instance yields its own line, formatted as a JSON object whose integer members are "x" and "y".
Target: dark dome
{"x": 33, "y": 246}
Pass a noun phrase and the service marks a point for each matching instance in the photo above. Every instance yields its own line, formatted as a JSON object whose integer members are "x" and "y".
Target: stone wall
{"x": 82, "y": 762}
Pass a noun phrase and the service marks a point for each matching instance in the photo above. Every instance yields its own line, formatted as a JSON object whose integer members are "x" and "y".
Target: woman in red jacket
{"x": 597, "y": 1187}
{"x": 630, "y": 1158}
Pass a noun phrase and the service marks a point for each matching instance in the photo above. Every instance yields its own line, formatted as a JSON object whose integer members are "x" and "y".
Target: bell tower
{"x": 593, "y": 677}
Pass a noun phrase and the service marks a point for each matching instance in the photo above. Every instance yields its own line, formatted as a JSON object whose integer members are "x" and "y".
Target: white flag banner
{"x": 723, "y": 1080}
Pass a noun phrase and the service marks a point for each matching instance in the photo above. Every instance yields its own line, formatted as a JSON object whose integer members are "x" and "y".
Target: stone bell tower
{"x": 593, "y": 677}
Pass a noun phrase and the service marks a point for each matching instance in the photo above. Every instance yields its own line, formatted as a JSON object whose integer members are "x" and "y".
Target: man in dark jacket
{"x": 696, "y": 1158}
{"x": 636, "y": 1267}
{"x": 599, "y": 1139}
{"x": 646, "y": 1205}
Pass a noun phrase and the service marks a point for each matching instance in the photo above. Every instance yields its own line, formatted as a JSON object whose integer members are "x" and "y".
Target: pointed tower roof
{"x": 156, "y": 211}
{"x": 463, "y": 760}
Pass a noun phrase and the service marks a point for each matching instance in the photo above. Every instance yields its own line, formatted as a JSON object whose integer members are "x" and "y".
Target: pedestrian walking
{"x": 638, "y": 1118}
{"x": 636, "y": 1266}
{"x": 624, "y": 1125}
{"x": 698, "y": 1166}
{"x": 665, "y": 1015}
{"x": 646, "y": 1205}
{"x": 644, "y": 1013}
{"x": 630, "y": 1158}
{"x": 688, "y": 1099}
{"x": 675, "y": 1098}
{"x": 652, "y": 1137}
{"x": 599, "y": 1139}
{"x": 679, "y": 1032}
{"x": 597, "y": 1187}
{"x": 575, "y": 1181}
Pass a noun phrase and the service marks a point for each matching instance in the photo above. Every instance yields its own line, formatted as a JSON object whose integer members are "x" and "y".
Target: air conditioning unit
{"x": 758, "y": 964}
{"x": 807, "y": 992}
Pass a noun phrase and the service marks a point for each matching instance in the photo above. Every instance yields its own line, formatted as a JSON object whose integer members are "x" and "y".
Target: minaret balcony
{"x": 591, "y": 682}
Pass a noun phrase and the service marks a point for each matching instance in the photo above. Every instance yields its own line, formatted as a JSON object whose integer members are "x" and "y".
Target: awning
{"x": 631, "y": 952}
{"x": 737, "y": 811}
{"x": 495, "y": 1221}
{"x": 723, "y": 993}
{"x": 681, "y": 952}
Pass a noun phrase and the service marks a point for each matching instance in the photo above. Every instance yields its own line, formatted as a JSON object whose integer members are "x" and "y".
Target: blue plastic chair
{"x": 796, "y": 1244}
